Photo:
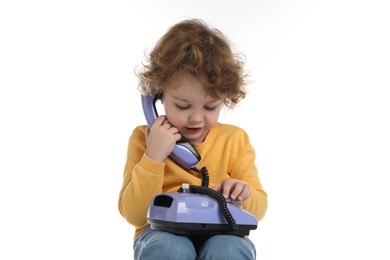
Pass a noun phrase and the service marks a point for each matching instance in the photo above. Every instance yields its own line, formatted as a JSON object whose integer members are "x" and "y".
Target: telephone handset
{"x": 184, "y": 154}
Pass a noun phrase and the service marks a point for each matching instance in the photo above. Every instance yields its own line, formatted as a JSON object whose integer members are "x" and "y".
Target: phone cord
{"x": 205, "y": 190}
{"x": 205, "y": 175}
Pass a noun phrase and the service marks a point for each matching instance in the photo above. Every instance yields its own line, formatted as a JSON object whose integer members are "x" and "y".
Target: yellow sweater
{"x": 226, "y": 153}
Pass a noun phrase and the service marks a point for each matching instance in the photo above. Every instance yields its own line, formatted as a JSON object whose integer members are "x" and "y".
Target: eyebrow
{"x": 185, "y": 100}
{"x": 180, "y": 99}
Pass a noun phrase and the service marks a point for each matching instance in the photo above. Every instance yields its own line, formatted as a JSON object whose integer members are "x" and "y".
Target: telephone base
{"x": 199, "y": 229}
{"x": 196, "y": 214}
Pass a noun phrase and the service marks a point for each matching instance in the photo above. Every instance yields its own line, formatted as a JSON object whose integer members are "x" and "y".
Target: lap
{"x": 153, "y": 244}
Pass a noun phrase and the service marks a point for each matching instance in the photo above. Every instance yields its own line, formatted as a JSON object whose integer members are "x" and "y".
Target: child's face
{"x": 189, "y": 109}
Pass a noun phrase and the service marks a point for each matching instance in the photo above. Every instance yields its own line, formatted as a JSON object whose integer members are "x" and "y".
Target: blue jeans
{"x": 153, "y": 244}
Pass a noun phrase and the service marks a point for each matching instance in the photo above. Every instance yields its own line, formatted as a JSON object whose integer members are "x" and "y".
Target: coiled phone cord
{"x": 205, "y": 175}
{"x": 205, "y": 190}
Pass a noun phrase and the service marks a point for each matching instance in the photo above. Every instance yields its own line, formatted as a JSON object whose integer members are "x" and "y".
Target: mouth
{"x": 190, "y": 131}
{"x": 193, "y": 129}
{"x": 193, "y": 134}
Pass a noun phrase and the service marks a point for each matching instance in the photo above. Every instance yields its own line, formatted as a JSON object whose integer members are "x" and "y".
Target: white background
{"x": 317, "y": 113}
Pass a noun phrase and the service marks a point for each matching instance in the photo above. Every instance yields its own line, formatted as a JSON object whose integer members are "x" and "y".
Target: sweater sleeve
{"x": 244, "y": 169}
{"x": 142, "y": 180}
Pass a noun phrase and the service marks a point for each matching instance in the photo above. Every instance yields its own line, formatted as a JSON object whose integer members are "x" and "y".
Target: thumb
{"x": 146, "y": 132}
{"x": 217, "y": 187}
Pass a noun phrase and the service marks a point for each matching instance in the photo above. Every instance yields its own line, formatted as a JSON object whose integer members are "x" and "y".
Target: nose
{"x": 196, "y": 117}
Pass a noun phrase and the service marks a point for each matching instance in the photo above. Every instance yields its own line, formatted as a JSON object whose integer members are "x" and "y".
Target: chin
{"x": 196, "y": 140}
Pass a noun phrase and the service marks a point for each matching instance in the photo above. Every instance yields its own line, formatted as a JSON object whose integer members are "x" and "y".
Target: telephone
{"x": 184, "y": 154}
{"x": 193, "y": 210}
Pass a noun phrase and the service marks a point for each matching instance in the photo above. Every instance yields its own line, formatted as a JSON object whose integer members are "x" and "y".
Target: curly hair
{"x": 192, "y": 47}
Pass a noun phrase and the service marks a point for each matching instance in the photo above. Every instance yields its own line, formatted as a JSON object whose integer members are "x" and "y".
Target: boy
{"x": 194, "y": 70}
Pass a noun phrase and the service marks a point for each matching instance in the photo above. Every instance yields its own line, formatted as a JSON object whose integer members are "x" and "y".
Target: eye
{"x": 210, "y": 108}
{"x": 182, "y": 107}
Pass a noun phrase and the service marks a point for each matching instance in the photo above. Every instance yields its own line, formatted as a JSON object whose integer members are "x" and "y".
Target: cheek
{"x": 176, "y": 119}
{"x": 212, "y": 119}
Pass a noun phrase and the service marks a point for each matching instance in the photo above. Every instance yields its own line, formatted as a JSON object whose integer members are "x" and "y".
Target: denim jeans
{"x": 153, "y": 244}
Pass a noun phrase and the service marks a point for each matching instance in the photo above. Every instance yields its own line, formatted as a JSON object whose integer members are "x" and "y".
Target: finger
{"x": 177, "y": 136}
{"x": 226, "y": 188}
{"x": 245, "y": 193}
{"x": 236, "y": 190}
{"x": 173, "y": 130}
{"x": 159, "y": 120}
{"x": 167, "y": 125}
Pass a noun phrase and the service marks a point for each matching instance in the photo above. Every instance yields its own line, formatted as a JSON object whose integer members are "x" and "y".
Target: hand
{"x": 160, "y": 139}
{"x": 233, "y": 189}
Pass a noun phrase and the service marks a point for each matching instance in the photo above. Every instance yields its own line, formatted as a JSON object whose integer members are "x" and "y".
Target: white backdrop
{"x": 317, "y": 113}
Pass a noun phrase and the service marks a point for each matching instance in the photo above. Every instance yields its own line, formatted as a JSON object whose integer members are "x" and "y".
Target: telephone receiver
{"x": 184, "y": 154}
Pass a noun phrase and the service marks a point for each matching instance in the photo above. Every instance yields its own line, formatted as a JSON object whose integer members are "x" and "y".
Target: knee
{"x": 228, "y": 247}
{"x": 162, "y": 245}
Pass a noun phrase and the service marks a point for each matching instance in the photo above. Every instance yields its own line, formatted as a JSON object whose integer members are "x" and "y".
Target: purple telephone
{"x": 184, "y": 154}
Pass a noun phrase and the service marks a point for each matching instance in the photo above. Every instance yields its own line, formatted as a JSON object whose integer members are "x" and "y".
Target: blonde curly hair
{"x": 192, "y": 47}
